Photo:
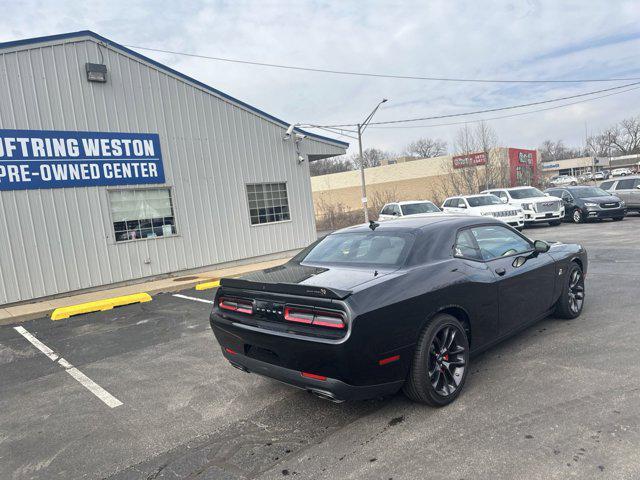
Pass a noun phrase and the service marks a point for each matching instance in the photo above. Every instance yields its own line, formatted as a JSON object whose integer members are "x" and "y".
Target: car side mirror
{"x": 540, "y": 246}
{"x": 462, "y": 206}
{"x": 547, "y": 195}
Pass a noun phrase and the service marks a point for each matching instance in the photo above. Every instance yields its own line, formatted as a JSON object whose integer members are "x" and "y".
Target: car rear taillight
{"x": 236, "y": 305}
{"x": 320, "y": 318}
{"x": 298, "y": 315}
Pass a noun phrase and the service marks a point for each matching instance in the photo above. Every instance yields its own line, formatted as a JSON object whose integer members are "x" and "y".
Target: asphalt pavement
{"x": 560, "y": 400}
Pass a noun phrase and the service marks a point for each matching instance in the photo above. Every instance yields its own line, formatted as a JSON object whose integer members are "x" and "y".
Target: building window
{"x": 142, "y": 213}
{"x": 268, "y": 202}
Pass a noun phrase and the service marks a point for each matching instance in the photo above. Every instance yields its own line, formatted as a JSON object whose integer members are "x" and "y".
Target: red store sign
{"x": 471, "y": 160}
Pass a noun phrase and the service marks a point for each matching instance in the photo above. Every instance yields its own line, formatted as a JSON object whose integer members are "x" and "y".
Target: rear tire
{"x": 571, "y": 301}
{"x": 440, "y": 363}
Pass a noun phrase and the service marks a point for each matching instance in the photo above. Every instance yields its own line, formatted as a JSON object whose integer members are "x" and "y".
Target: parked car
{"x": 621, "y": 172}
{"x": 563, "y": 180}
{"x": 395, "y": 210}
{"x": 485, "y": 205}
{"x": 601, "y": 175}
{"x": 537, "y": 207}
{"x": 628, "y": 189}
{"x": 586, "y": 203}
{"x": 371, "y": 309}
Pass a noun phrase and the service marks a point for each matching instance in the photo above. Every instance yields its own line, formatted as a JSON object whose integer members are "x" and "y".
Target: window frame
{"x": 480, "y": 225}
{"x": 174, "y": 207}
{"x": 246, "y": 197}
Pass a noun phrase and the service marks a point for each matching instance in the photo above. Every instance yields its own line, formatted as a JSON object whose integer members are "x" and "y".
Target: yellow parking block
{"x": 100, "y": 305}
{"x": 208, "y": 285}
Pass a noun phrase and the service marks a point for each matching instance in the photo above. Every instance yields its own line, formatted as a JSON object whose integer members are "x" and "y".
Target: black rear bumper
{"x": 328, "y": 388}
{"x": 347, "y": 368}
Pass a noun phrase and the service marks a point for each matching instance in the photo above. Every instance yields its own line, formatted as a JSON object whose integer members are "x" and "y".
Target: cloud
{"x": 543, "y": 39}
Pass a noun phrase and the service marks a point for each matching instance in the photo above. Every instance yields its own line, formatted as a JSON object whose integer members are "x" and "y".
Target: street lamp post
{"x": 361, "y": 128}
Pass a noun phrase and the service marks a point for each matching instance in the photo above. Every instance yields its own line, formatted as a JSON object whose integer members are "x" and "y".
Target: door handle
{"x": 500, "y": 271}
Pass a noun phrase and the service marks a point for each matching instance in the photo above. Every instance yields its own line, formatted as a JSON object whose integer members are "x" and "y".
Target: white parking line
{"x": 85, "y": 381}
{"x": 195, "y": 299}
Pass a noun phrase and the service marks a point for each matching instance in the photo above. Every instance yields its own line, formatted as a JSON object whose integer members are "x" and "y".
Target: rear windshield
{"x": 361, "y": 248}
{"x": 586, "y": 192}
{"x": 526, "y": 193}
{"x": 415, "y": 208}
{"x": 483, "y": 200}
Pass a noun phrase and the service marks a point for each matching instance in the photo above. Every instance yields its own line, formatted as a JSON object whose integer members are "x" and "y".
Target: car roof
{"x": 409, "y": 202}
{"x": 478, "y": 195}
{"x": 420, "y": 222}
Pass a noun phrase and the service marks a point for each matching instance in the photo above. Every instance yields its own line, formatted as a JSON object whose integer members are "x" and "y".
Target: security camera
{"x": 289, "y": 132}
{"x": 300, "y": 136}
{"x": 300, "y": 159}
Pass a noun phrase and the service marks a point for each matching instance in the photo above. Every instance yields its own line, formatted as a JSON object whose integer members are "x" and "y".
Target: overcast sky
{"x": 491, "y": 39}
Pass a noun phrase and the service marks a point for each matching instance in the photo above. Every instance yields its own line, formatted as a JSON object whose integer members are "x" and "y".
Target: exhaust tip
{"x": 324, "y": 395}
{"x": 239, "y": 367}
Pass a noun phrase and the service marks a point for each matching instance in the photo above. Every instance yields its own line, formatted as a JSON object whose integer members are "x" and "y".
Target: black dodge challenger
{"x": 371, "y": 309}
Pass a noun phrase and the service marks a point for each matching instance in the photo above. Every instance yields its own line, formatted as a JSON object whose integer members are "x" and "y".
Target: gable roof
{"x": 161, "y": 66}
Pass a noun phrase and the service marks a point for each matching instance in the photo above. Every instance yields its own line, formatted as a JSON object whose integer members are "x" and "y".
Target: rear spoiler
{"x": 286, "y": 288}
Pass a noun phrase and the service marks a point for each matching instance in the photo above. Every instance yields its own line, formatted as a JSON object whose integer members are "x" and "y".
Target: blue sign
{"x": 31, "y": 159}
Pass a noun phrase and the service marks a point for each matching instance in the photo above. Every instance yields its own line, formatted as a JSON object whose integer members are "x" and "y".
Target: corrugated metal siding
{"x": 59, "y": 240}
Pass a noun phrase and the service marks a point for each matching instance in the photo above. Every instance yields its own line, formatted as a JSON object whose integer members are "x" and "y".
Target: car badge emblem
{"x": 323, "y": 291}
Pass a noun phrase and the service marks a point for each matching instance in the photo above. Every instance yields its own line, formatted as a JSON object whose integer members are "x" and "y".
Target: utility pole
{"x": 363, "y": 185}
{"x": 361, "y": 128}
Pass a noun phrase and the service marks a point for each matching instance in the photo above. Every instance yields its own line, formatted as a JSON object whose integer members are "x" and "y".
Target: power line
{"x": 477, "y": 112}
{"x": 379, "y": 75}
{"x": 507, "y": 116}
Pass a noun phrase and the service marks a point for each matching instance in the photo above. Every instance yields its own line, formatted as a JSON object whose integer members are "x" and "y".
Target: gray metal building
{"x": 79, "y": 210}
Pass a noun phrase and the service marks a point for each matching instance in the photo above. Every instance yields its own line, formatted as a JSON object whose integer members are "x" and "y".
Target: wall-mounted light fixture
{"x": 96, "y": 72}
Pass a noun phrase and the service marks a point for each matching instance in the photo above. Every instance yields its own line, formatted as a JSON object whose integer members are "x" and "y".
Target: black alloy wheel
{"x": 571, "y": 300}
{"x": 439, "y": 367}
{"x": 576, "y": 291}
{"x": 446, "y": 360}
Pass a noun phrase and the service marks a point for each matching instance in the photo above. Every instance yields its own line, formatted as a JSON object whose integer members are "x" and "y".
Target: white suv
{"x": 621, "y": 172}
{"x": 395, "y": 210}
{"x": 486, "y": 206}
{"x": 537, "y": 206}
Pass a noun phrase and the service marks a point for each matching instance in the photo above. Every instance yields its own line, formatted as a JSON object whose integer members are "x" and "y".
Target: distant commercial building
{"x": 581, "y": 165}
{"x": 114, "y": 168}
{"x": 417, "y": 179}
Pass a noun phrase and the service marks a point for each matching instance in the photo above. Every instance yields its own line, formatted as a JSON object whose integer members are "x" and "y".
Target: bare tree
{"x": 620, "y": 139}
{"x": 372, "y": 157}
{"x": 552, "y": 151}
{"x": 426, "y": 148}
{"x": 330, "y": 165}
{"x": 480, "y": 139}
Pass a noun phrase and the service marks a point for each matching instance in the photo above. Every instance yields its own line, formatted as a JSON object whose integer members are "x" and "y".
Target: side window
{"x": 566, "y": 196}
{"x": 396, "y": 209}
{"x": 496, "y": 241}
{"x": 462, "y": 203}
{"x": 637, "y": 183}
{"x": 625, "y": 184}
{"x": 449, "y": 203}
{"x": 606, "y": 185}
{"x": 553, "y": 193}
{"x": 386, "y": 210}
{"x": 466, "y": 246}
